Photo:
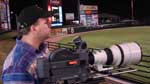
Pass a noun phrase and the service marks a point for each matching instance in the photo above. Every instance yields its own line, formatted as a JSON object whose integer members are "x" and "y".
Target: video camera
{"x": 75, "y": 61}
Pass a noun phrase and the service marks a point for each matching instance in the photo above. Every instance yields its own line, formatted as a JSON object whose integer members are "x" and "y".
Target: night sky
{"x": 123, "y": 8}
{"x": 17, "y": 5}
{"x": 117, "y": 7}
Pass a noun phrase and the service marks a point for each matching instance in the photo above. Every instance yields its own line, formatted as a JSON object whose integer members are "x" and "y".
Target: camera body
{"x": 75, "y": 61}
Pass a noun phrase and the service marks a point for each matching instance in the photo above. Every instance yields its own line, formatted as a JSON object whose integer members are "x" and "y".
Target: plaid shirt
{"x": 18, "y": 66}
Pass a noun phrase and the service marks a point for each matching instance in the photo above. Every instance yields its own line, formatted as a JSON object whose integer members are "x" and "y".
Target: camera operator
{"x": 34, "y": 28}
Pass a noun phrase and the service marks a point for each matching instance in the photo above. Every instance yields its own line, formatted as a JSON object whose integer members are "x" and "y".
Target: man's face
{"x": 43, "y": 28}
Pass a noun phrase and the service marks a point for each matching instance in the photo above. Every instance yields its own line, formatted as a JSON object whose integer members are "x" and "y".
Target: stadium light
{"x": 132, "y": 9}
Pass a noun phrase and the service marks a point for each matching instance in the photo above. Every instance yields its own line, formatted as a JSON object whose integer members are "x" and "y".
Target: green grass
{"x": 106, "y": 38}
{"x": 137, "y": 78}
{"x": 145, "y": 64}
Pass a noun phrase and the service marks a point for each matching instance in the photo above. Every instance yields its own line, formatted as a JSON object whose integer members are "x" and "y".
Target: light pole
{"x": 132, "y": 9}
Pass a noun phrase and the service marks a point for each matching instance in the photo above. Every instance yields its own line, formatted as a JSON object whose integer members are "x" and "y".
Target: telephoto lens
{"x": 119, "y": 55}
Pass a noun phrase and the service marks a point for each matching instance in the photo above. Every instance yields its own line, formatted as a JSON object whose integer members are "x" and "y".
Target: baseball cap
{"x": 31, "y": 14}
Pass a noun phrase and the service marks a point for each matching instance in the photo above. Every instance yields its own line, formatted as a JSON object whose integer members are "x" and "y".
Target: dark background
{"x": 121, "y": 8}
{"x": 117, "y": 7}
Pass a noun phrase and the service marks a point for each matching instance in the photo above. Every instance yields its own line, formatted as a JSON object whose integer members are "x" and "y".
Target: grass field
{"x": 96, "y": 39}
{"x": 106, "y": 38}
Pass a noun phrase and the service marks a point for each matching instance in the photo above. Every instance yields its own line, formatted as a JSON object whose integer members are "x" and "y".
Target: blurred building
{"x": 4, "y": 15}
{"x": 89, "y": 15}
{"x": 108, "y": 18}
{"x": 74, "y": 13}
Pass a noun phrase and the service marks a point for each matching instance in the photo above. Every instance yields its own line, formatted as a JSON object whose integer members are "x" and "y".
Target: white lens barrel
{"x": 100, "y": 57}
{"x": 131, "y": 53}
{"x": 116, "y": 55}
{"x": 119, "y": 55}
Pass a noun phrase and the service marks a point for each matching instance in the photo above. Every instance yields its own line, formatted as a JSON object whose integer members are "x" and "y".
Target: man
{"x": 34, "y": 28}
